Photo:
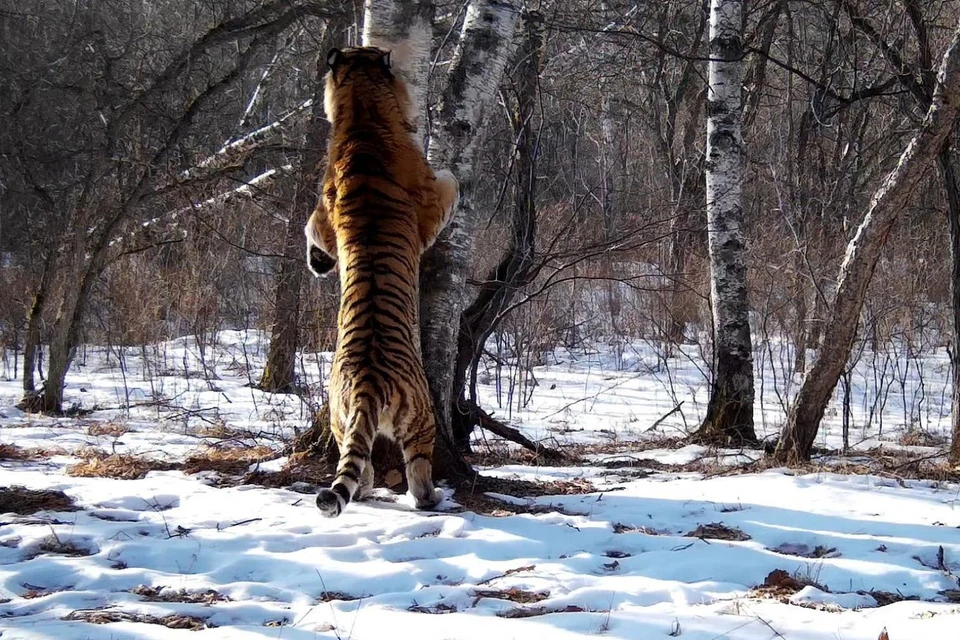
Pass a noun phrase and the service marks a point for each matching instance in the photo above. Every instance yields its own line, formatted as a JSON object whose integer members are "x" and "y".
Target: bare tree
{"x": 729, "y": 416}
{"x": 888, "y": 202}
{"x": 279, "y": 373}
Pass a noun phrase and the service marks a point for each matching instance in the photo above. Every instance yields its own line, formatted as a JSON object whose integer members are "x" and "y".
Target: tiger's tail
{"x": 354, "y": 467}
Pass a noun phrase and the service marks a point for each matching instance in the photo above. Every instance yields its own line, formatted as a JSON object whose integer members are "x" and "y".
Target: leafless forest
{"x": 158, "y": 161}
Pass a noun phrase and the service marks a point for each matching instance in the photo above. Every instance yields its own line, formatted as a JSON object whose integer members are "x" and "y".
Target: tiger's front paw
{"x": 320, "y": 264}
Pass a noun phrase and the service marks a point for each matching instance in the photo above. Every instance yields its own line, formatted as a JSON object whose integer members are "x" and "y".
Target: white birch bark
{"x": 486, "y": 42}
{"x": 405, "y": 28}
{"x": 729, "y": 416}
{"x": 863, "y": 251}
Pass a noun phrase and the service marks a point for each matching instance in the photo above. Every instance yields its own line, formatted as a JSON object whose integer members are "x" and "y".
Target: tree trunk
{"x": 951, "y": 182}
{"x": 513, "y": 271}
{"x": 82, "y": 273}
{"x": 31, "y": 341}
{"x": 729, "y": 418}
{"x": 279, "y": 375}
{"x": 405, "y": 27}
{"x": 475, "y": 72}
{"x": 863, "y": 251}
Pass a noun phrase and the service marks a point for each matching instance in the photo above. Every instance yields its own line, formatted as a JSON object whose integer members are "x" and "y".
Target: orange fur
{"x": 382, "y": 206}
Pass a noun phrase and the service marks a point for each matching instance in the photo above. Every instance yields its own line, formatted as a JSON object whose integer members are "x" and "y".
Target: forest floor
{"x": 165, "y": 507}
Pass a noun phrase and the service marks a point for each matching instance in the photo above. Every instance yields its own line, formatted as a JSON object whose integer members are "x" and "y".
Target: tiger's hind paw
{"x": 329, "y": 503}
{"x": 430, "y": 501}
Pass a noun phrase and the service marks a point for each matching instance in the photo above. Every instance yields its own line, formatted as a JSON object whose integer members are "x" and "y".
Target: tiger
{"x": 380, "y": 208}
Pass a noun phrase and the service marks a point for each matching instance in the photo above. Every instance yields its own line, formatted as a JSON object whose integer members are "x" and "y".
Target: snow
{"x": 256, "y": 562}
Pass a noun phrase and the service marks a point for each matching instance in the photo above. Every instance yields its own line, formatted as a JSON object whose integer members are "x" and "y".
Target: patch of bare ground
{"x": 107, "y": 616}
{"x": 436, "y": 609}
{"x": 780, "y": 585}
{"x": 617, "y": 447}
{"x": 23, "y": 501}
{"x": 32, "y": 591}
{"x": 13, "y": 452}
{"x": 330, "y": 596}
{"x": 920, "y": 438}
{"x": 110, "y": 429}
{"x": 496, "y": 454}
{"x": 99, "y": 464}
{"x": 232, "y": 461}
{"x": 532, "y": 612}
{"x": 717, "y": 531}
{"x": 300, "y": 468}
{"x": 55, "y": 545}
{"x": 804, "y": 551}
{"x": 163, "y": 594}
{"x": 619, "y": 527}
{"x": 520, "y": 596}
{"x": 474, "y": 498}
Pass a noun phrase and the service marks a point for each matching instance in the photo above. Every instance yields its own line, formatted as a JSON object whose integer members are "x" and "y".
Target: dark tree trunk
{"x": 31, "y": 340}
{"x": 951, "y": 182}
{"x": 279, "y": 374}
{"x": 863, "y": 251}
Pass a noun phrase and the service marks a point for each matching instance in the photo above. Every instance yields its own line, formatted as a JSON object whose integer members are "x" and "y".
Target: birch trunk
{"x": 405, "y": 27}
{"x": 476, "y": 69}
{"x": 729, "y": 418}
{"x": 279, "y": 374}
{"x": 515, "y": 269}
{"x": 863, "y": 251}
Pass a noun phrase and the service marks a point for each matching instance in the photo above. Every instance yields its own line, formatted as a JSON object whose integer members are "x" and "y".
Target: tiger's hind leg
{"x": 366, "y": 481}
{"x": 355, "y": 448}
{"x": 416, "y": 435}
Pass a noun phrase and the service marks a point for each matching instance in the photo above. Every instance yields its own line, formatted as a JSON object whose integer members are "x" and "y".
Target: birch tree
{"x": 729, "y": 417}
{"x": 891, "y": 198}
{"x": 486, "y": 42}
{"x": 403, "y": 26}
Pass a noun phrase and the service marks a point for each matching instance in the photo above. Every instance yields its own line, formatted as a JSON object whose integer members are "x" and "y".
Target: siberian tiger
{"x": 382, "y": 206}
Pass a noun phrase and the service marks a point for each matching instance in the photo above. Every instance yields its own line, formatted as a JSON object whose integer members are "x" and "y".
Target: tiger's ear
{"x": 334, "y": 58}
{"x": 385, "y": 59}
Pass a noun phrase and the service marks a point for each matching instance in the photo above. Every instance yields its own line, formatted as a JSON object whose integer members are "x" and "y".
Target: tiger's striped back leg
{"x": 416, "y": 435}
{"x": 355, "y": 448}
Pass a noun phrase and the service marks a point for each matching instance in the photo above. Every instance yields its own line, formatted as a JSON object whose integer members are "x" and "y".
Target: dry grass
{"x": 780, "y": 585}
{"x": 520, "y": 596}
{"x": 803, "y": 551}
{"x": 54, "y": 545}
{"x": 436, "y": 609}
{"x": 117, "y": 466}
{"x": 299, "y": 468}
{"x": 619, "y": 527}
{"x": 111, "y": 429}
{"x": 106, "y": 616}
{"x": 474, "y": 499}
{"x": 13, "y": 452}
{"x": 330, "y": 596}
{"x": 23, "y": 501}
{"x": 531, "y": 612}
{"x": 232, "y": 461}
{"x": 921, "y": 438}
{"x": 162, "y": 594}
{"x": 717, "y": 531}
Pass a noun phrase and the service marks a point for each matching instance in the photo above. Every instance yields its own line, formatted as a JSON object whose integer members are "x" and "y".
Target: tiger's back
{"x": 382, "y": 206}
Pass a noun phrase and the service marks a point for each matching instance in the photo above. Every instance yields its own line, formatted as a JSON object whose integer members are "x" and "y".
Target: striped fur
{"x": 381, "y": 207}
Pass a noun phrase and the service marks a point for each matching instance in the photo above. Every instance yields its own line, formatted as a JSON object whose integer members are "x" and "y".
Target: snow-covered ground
{"x": 643, "y": 555}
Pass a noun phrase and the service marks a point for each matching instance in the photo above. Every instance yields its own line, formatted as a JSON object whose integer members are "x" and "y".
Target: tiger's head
{"x": 363, "y": 72}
